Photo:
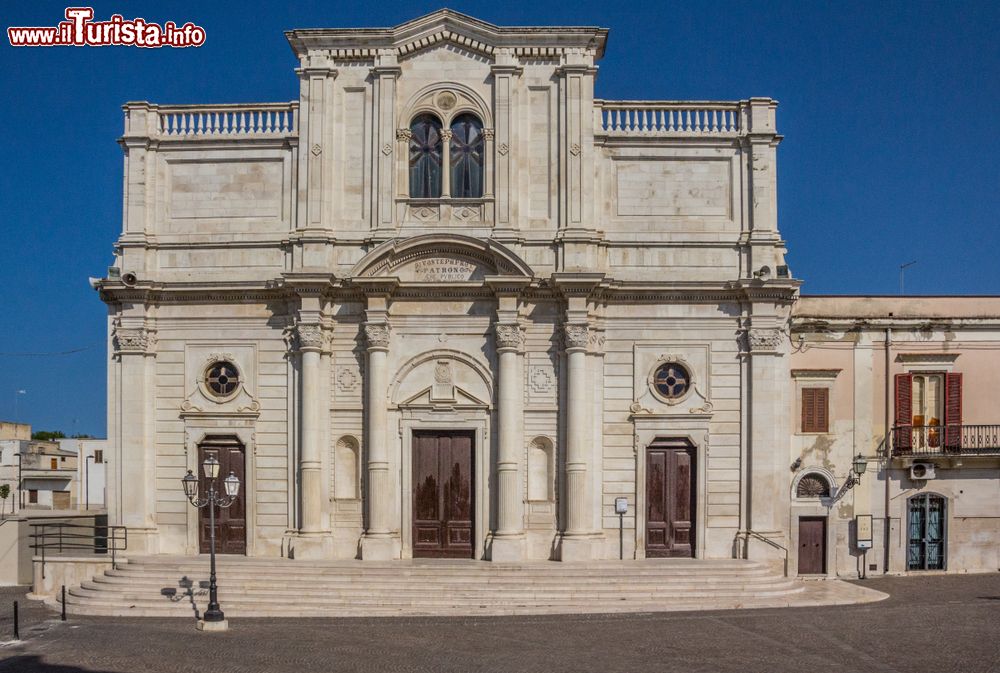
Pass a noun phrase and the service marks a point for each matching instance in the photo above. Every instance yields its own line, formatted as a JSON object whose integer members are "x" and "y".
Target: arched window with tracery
{"x": 425, "y": 157}
{"x": 466, "y": 157}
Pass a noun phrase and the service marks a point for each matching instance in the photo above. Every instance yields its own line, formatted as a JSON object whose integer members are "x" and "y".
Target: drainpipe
{"x": 888, "y": 452}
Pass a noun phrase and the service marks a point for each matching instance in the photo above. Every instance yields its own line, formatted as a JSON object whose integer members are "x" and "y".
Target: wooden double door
{"x": 812, "y": 545}
{"x": 671, "y": 497}
{"x": 230, "y": 522}
{"x": 443, "y": 494}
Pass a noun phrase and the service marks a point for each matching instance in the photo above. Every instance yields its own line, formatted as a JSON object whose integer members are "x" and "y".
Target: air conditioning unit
{"x": 922, "y": 471}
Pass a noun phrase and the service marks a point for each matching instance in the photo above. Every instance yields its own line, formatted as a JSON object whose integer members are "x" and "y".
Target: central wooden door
{"x": 671, "y": 495}
{"x": 812, "y": 545}
{"x": 230, "y": 522}
{"x": 442, "y": 494}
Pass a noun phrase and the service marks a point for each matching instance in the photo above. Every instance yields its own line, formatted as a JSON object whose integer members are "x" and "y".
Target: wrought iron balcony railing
{"x": 945, "y": 440}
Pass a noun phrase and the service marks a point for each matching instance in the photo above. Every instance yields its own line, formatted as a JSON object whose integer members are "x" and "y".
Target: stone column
{"x": 135, "y": 500}
{"x": 313, "y": 538}
{"x": 769, "y": 450}
{"x": 508, "y": 541}
{"x": 446, "y": 135}
{"x": 379, "y": 541}
{"x": 578, "y": 536}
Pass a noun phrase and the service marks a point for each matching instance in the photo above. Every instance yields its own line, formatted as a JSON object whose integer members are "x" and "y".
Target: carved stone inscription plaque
{"x": 443, "y": 270}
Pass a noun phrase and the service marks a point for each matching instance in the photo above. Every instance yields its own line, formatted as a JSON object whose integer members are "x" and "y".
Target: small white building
{"x": 90, "y": 472}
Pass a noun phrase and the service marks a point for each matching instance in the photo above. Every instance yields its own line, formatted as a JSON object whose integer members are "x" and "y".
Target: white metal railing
{"x": 227, "y": 121}
{"x": 666, "y": 118}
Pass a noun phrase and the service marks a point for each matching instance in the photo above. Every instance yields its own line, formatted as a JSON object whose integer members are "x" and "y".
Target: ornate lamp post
{"x": 213, "y": 619}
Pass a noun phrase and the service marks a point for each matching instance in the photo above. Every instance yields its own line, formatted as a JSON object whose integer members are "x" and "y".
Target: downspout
{"x": 888, "y": 453}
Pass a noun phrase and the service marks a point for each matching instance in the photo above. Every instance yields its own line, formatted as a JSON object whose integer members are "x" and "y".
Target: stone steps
{"x": 152, "y": 586}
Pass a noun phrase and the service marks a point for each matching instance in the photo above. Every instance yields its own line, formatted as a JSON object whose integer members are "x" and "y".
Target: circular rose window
{"x": 671, "y": 381}
{"x": 222, "y": 379}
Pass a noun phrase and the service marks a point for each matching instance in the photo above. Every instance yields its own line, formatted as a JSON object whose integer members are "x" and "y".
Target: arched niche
{"x": 541, "y": 467}
{"x": 347, "y": 468}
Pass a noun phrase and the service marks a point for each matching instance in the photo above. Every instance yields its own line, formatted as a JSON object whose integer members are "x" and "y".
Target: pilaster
{"x": 505, "y": 73}
{"x": 384, "y": 76}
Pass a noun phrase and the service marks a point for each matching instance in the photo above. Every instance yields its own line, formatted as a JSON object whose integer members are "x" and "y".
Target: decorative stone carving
{"x": 575, "y": 149}
{"x": 404, "y": 134}
{"x": 133, "y": 340}
{"x": 596, "y": 342}
{"x": 509, "y": 336}
{"x": 442, "y": 372}
{"x": 316, "y": 150}
{"x": 446, "y": 100}
{"x": 576, "y": 336}
{"x": 446, "y": 134}
{"x": 764, "y": 340}
{"x": 387, "y": 149}
{"x": 310, "y": 337}
{"x": 503, "y": 149}
{"x": 540, "y": 380}
{"x": 377, "y": 335}
{"x": 488, "y": 134}
{"x": 347, "y": 380}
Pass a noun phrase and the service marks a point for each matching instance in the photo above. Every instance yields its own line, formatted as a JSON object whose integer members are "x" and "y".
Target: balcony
{"x": 681, "y": 119}
{"x": 239, "y": 121}
{"x": 945, "y": 440}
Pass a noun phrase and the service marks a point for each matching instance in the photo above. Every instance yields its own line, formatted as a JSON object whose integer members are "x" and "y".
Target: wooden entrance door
{"x": 671, "y": 494}
{"x": 442, "y": 494}
{"x": 812, "y": 545}
{"x": 230, "y": 522}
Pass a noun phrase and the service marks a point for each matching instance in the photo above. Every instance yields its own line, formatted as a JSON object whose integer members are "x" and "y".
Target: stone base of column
{"x": 310, "y": 546}
{"x": 380, "y": 548}
{"x": 142, "y": 540}
{"x": 774, "y": 557}
{"x": 579, "y": 548}
{"x": 507, "y": 549}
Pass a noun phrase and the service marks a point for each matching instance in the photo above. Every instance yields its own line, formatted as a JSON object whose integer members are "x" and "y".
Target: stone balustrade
{"x": 257, "y": 120}
{"x": 669, "y": 118}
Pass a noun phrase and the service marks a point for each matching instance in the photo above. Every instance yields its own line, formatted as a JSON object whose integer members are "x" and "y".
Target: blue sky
{"x": 890, "y": 111}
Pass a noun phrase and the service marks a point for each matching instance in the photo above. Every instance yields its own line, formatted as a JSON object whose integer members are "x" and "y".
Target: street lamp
{"x": 858, "y": 467}
{"x": 86, "y": 480}
{"x": 213, "y": 619}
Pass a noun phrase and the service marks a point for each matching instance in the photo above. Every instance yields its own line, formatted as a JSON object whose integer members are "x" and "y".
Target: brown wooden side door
{"x": 442, "y": 495}
{"x": 670, "y": 500}
{"x": 230, "y": 522}
{"x": 812, "y": 545}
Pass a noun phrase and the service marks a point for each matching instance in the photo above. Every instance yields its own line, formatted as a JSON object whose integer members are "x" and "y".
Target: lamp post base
{"x": 213, "y": 626}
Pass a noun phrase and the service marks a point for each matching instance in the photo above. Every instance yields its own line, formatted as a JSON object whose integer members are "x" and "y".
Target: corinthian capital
{"x": 133, "y": 340}
{"x": 310, "y": 337}
{"x": 509, "y": 336}
{"x": 576, "y": 336}
{"x": 377, "y": 335}
{"x": 764, "y": 340}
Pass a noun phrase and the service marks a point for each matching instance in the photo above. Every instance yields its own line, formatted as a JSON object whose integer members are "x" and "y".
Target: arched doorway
{"x": 230, "y": 522}
{"x": 926, "y": 532}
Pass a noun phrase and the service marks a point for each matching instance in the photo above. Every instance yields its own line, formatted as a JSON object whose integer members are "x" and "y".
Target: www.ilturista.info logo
{"x": 80, "y": 30}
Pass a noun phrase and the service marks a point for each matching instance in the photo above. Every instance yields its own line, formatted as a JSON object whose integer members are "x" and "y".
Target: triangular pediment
{"x": 448, "y": 27}
{"x": 455, "y": 397}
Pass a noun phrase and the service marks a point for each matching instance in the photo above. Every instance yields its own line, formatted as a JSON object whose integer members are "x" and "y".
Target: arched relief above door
{"x": 442, "y": 378}
{"x": 439, "y": 258}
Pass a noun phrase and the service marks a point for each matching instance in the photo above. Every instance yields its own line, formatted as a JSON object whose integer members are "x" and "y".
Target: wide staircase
{"x": 173, "y": 586}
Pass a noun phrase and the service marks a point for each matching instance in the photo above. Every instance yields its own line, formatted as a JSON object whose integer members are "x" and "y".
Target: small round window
{"x": 222, "y": 379}
{"x": 671, "y": 381}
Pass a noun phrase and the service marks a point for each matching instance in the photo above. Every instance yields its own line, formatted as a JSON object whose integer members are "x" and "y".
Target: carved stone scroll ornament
{"x": 765, "y": 340}
{"x": 576, "y": 336}
{"x": 377, "y": 336}
{"x": 133, "y": 340}
{"x": 509, "y": 336}
{"x": 310, "y": 337}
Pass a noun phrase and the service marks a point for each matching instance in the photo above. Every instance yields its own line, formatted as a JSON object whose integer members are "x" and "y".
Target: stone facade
{"x": 612, "y": 245}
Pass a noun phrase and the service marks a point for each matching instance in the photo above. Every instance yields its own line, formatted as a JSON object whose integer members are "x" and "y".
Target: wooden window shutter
{"x": 953, "y": 411}
{"x": 815, "y": 410}
{"x": 903, "y": 439}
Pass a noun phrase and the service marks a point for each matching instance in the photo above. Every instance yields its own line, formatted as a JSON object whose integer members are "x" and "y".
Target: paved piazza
{"x": 931, "y": 623}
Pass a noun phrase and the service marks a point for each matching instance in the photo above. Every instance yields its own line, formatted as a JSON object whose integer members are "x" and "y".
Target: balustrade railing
{"x": 227, "y": 121}
{"x": 665, "y": 118}
{"x": 937, "y": 440}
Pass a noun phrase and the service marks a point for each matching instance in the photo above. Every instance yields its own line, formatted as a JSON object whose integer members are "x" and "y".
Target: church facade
{"x": 450, "y": 303}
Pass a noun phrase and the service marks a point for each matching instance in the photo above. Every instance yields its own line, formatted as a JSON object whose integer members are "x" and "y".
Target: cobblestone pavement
{"x": 930, "y": 623}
